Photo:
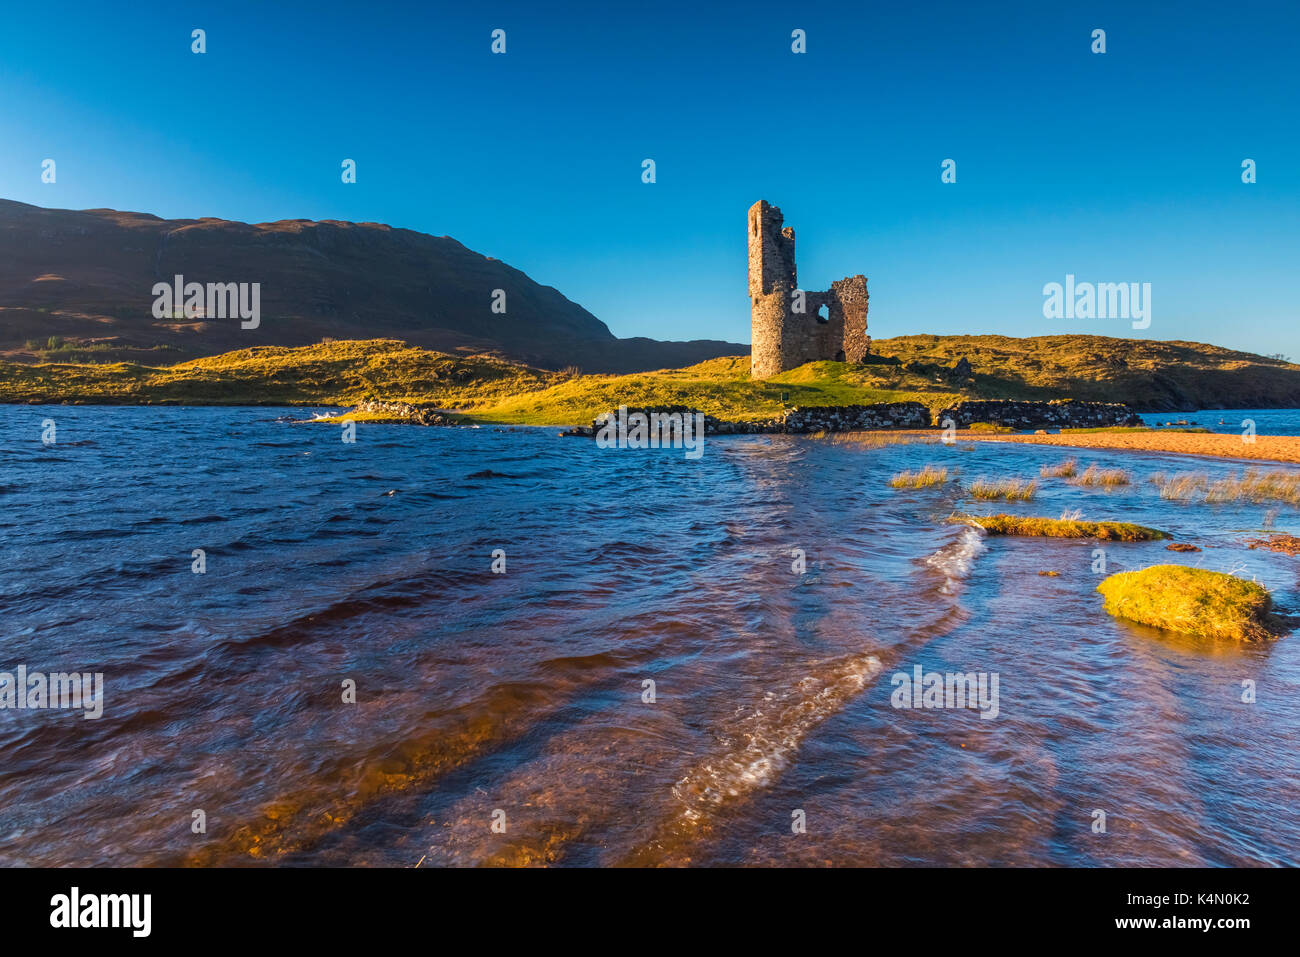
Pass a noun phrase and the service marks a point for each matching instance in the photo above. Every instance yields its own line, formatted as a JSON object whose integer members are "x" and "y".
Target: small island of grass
{"x": 924, "y": 478}
{"x": 1062, "y": 528}
{"x": 1191, "y": 601}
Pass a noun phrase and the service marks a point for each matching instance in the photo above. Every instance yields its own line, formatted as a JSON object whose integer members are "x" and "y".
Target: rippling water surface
{"x": 523, "y": 692}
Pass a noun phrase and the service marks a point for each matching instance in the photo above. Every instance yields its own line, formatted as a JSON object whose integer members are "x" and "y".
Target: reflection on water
{"x": 526, "y": 693}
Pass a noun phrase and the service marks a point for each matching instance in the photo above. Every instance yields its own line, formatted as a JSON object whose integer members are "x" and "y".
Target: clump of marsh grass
{"x": 1190, "y": 600}
{"x": 1061, "y": 528}
{"x": 1011, "y": 489}
{"x": 1182, "y": 486}
{"x": 924, "y": 478}
{"x": 1106, "y": 478}
{"x": 872, "y": 440}
{"x": 1107, "y": 428}
{"x": 1067, "y": 469}
{"x": 1255, "y": 485}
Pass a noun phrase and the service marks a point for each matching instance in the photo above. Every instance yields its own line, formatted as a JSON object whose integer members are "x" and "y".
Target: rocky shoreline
{"x": 1052, "y": 414}
{"x": 1005, "y": 413}
{"x": 802, "y": 420}
{"x": 401, "y": 413}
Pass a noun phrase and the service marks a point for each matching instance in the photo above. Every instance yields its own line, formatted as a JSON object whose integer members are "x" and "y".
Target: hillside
{"x": 487, "y": 388}
{"x": 1150, "y": 375}
{"x": 77, "y": 285}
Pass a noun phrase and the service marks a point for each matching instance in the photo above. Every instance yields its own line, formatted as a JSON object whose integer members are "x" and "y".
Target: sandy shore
{"x": 1266, "y": 448}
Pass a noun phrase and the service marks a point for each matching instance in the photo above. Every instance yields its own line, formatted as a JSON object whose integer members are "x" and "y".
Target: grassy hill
{"x": 487, "y": 388}
{"x": 1149, "y": 375}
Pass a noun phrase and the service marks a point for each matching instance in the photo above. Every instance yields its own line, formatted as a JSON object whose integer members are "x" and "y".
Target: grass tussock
{"x": 1010, "y": 489}
{"x": 923, "y": 478}
{"x": 1257, "y": 485}
{"x": 1182, "y": 486}
{"x": 1254, "y": 485}
{"x": 1104, "y": 478}
{"x": 1193, "y": 601}
{"x": 1062, "y": 528}
{"x": 1067, "y": 469}
{"x": 872, "y": 440}
{"x": 990, "y": 427}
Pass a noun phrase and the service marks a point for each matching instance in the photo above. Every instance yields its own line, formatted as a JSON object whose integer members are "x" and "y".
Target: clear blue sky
{"x": 1117, "y": 167}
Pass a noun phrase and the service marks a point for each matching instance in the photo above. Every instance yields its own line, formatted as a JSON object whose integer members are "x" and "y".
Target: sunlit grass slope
{"x": 487, "y": 389}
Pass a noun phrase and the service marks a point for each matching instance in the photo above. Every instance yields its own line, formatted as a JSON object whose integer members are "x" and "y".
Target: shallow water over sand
{"x": 523, "y": 692}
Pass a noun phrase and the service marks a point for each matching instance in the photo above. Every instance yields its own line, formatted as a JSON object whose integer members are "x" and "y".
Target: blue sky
{"x": 1120, "y": 167}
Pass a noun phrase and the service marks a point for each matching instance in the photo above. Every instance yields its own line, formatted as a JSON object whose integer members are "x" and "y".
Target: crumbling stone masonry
{"x": 793, "y": 326}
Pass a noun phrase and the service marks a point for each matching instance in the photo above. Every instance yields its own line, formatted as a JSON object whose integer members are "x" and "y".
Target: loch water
{"x": 770, "y": 591}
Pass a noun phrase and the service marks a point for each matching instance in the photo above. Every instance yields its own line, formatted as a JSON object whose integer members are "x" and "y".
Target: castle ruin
{"x": 792, "y": 326}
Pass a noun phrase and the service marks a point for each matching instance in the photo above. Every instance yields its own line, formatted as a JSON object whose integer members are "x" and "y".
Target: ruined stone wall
{"x": 782, "y": 338}
{"x": 851, "y": 297}
{"x": 768, "y": 326}
{"x": 771, "y": 250}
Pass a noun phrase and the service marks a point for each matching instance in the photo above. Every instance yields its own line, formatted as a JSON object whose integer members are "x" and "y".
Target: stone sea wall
{"x": 903, "y": 415}
{"x": 1055, "y": 414}
{"x": 801, "y": 419}
{"x": 854, "y": 418}
{"x": 1065, "y": 413}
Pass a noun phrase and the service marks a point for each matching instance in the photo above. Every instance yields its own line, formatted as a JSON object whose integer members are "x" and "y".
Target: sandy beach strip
{"x": 1265, "y": 448}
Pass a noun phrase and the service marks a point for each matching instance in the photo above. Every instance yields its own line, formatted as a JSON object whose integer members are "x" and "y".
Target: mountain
{"x": 86, "y": 277}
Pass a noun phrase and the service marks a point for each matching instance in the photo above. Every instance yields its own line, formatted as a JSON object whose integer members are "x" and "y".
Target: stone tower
{"x": 793, "y": 326}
